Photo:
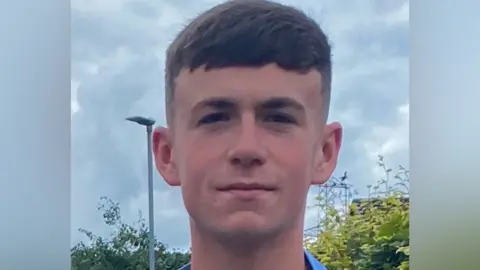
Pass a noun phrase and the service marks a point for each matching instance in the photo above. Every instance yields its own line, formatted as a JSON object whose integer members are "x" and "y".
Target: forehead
{"x": 247, "y": 85}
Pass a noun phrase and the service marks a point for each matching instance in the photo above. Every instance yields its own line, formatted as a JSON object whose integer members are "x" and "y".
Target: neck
{"x": 284, "y": 252}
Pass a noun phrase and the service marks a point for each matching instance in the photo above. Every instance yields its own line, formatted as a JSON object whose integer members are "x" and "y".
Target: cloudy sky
{"x": 117, "y": 71}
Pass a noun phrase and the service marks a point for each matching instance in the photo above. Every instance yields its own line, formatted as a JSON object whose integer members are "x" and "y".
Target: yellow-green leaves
{"x": 373, "y": 234}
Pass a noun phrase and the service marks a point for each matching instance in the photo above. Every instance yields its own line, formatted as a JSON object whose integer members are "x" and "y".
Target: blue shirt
{"x": 312, "y": 263}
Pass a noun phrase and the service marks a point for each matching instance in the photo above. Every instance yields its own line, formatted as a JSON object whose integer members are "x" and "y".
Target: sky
{"x": 118, "y": 49}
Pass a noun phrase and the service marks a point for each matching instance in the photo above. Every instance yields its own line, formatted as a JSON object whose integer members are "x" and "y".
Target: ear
{"x": 327, "y": 151}
{"x": 162, "y": 150}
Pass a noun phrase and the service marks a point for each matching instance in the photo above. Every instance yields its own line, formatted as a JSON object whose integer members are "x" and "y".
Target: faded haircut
{"x": 250, "y": 33}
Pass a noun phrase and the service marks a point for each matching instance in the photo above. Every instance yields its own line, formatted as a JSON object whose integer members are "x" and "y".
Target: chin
{"x": 247, "y": 225}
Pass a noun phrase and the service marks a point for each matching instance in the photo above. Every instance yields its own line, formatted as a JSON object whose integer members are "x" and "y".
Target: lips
{"x": 247, "y": 191}
{"x": 246, "y": 187}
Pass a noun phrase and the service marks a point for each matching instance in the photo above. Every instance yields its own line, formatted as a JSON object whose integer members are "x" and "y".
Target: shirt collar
{"x": 313, "y": 264}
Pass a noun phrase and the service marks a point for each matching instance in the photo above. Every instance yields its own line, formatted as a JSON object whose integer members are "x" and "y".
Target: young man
{"x": 247, "y": 94}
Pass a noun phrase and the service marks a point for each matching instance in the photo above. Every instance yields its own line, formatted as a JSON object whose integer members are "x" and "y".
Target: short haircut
{"x": 250, "y": 33}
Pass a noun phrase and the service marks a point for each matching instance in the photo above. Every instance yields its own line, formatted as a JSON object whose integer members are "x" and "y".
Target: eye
{"x": 280, "y": 118}
{"x": 214, "y": 118}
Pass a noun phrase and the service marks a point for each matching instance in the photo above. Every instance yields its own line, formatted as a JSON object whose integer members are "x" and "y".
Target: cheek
{"x": 297, "y": 157}
{"x": 296, "y": 163}
{"x": 196, "y": 162}
{"x": 192, "y": 179}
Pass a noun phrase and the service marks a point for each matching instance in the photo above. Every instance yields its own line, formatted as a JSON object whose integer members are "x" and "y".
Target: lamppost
{"x": 148, "y": 123}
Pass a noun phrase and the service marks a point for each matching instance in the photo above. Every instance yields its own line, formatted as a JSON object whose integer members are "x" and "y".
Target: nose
{"x": 247, "y": 150}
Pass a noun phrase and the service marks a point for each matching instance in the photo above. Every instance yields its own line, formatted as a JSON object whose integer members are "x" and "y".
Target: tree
{"x": 126, "y": 249}
{"x": 373, "y": 233}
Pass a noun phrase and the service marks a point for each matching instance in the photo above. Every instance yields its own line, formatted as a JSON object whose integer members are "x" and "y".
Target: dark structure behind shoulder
{"x": 380, "y": 203}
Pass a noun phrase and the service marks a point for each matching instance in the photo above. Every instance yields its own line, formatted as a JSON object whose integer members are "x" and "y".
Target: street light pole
{"x": 148, "y": 123}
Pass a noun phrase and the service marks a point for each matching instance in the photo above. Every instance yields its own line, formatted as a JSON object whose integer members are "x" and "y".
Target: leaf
{"x": 404, "y": 250}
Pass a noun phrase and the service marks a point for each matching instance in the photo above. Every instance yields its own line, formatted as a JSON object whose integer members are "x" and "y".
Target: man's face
{"x": 245, "y": 145}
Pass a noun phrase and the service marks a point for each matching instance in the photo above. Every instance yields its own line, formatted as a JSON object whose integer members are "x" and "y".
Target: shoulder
{"x": 313, "y": 263}
{"x": 185, "y": 267}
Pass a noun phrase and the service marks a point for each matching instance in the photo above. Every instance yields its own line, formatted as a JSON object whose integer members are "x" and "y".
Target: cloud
{"x": 389, "y": 141}
{"x": 117, "y": 71}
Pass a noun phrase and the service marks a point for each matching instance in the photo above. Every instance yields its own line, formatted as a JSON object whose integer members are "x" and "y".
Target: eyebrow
{"x": 277, "y": 103}
{"x": 216, "y": 103}
{"x": 274, "y": 103}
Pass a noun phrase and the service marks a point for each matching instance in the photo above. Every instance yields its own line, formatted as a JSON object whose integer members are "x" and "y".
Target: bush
{"x": 126, "y": 249}
{"x": 372, "y": 234}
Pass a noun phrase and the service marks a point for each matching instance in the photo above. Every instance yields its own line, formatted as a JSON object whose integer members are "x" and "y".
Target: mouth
{"x": 247, "y": 192}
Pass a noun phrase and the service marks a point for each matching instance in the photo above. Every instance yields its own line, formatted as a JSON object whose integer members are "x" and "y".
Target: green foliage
{"x": 126, "y": 249}
{"x": 372, "y": 234}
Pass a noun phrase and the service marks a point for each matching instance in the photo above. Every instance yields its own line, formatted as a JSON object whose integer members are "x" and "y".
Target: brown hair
{"x": 250, "y": 33}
